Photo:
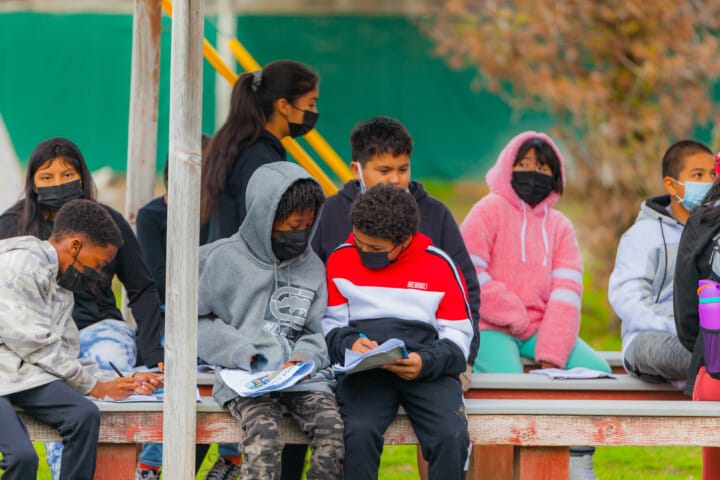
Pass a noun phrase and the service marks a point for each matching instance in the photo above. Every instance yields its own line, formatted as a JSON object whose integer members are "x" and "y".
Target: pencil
{"x": 117, "y": 370}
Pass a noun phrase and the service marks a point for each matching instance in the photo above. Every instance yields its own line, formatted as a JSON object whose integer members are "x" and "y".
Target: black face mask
{"x": 290, "y": 243}
{"x": 374, "y": 260}
{"x": 532, "y": 187}
{"x": 58, "y": 195}
{"x": 77, "y": 281}
{"x": 308, "y": 123}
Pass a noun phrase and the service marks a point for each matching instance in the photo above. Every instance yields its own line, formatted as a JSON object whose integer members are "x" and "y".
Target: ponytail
{"x": 251, "y": 106}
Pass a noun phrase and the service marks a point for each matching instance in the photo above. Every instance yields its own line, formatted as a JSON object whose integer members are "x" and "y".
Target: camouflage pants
{"x": 318, "y": 417}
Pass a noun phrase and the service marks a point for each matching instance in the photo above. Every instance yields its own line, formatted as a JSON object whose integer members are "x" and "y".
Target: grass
{"x": 600, "y": 329}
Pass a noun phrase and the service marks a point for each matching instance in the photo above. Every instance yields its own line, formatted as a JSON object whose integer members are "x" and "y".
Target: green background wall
{"x": 69, "y": 75}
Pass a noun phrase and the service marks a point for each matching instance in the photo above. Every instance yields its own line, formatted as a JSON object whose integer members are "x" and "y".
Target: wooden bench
{"x": 537, "y": 431}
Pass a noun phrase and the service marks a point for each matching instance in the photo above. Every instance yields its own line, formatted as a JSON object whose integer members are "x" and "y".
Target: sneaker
{"x": 223, "y": 470}
{"x": 581, "y": 468}
{"x": 147, "y": 474}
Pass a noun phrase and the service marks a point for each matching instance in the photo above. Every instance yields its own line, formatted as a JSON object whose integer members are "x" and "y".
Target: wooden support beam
{"x": 540, "y": 463}
{"x": 186, "y": 64}
{"x": 144, "y": 91}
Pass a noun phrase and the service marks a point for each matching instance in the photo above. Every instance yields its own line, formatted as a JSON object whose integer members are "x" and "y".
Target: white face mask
{"x": 694, "y": 193}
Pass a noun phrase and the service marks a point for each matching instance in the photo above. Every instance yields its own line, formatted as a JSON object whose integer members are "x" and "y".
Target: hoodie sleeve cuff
{"x": 246, "y": 357}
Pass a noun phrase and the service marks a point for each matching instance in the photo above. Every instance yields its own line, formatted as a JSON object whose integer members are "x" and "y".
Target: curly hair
{"x": 378, "y": 136}
{"x": 386, "y": 212}
{"x": 303, "y": 195}
{"x": 89, "y": 219}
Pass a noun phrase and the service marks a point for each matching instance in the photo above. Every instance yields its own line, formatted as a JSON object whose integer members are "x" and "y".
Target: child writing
{"x": 39, "y": 343}
{"x": 389, "y": 281}
{"x": 381, "y": 150}
{"x": 56, "y": 174}
{"x": 261, "y": 298}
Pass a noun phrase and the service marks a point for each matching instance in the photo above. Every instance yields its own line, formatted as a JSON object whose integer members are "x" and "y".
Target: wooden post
{"x": 143, "y": 122}
{"x": 186, "y": 65}
{"x": 226, "y": 25}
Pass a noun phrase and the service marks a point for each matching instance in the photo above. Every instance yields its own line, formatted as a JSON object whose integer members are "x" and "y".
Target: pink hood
{"x": 500, "y": 175}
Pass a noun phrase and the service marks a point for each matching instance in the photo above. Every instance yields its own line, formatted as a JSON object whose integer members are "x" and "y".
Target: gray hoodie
{"x": 257, "y": 312}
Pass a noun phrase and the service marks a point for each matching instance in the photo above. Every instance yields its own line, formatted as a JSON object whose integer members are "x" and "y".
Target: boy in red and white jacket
{"x": 388, "y": 281}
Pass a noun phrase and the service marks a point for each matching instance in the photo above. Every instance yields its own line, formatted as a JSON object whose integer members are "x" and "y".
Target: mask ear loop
{"x": 363, "y": 188}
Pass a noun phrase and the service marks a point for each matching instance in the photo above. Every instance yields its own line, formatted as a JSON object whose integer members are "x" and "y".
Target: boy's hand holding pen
{"x": 363, "y": 344}
{"x": 145, "y": 382}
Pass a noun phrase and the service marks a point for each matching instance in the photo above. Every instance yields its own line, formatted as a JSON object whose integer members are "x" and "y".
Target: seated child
{"x": 262, "y": 295}
{"x": 389, "y": 281}
{"x": 381, "y": 149}
{"x": 529, "y": 268}
{"x": 528, "y": 263}
{"x": 641, "y": 285}
{"x": 39, "y": 342}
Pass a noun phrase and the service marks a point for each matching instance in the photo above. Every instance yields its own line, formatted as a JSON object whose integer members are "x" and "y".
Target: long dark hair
{"x": 30, "y": 211}
{"x": 251, "y": 106}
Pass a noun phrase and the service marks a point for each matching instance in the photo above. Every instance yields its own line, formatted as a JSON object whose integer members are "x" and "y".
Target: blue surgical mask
{"x": 694, "y": 193}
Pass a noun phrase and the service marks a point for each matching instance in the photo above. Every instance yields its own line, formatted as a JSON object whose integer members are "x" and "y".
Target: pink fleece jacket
{"x": 527, "y": 261}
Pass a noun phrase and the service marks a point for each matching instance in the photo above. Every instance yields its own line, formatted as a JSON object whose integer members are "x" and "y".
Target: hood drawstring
{"x": 523, "y": 235}
{"x": 275, "y": 275}
{"x": 545, "y": 237}
{"x": 665, "y": 248}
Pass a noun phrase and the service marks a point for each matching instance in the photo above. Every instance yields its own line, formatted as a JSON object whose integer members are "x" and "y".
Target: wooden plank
{"x": 540, "y": 463}
{"x": 116, "y": 461}
{"x": 186, "y": 66}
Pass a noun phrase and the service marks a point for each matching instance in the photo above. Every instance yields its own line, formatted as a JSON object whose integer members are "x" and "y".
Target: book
{"x": 577, "y": 373}
{"x": 386, "y": 352}
{"x": 255, "y": 384}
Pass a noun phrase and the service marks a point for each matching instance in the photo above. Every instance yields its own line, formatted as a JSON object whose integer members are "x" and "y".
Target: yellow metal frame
{"x": 316, "y": 141}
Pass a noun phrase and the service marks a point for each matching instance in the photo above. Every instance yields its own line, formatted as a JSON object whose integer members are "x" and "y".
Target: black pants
{"x": 77, "y": 421}
{"x": 368, "y": 403}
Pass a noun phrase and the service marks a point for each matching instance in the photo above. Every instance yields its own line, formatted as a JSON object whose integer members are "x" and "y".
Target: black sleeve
{"x": 443, "y": 357}
{"x": 454, "y": 245}
{"x": 9, "y": 224}
{"x": 247, "y": 163}
{"x": 143, "y": 298}
{"x": 340, "y": 339}
{"x": 152, "y": 243}
{"x": 685, "y": 298}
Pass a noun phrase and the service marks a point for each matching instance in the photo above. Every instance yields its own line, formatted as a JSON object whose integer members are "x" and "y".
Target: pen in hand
{"x": 117, "y": 370}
